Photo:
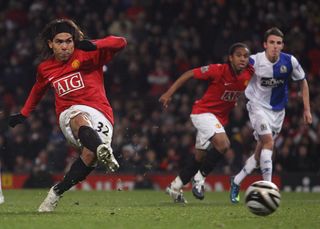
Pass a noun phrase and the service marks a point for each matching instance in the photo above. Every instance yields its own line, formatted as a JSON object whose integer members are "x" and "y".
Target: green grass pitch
{"x": 152, "y": 209}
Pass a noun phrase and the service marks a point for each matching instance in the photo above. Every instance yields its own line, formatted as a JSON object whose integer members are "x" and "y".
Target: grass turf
{"x": 152, "y": 209}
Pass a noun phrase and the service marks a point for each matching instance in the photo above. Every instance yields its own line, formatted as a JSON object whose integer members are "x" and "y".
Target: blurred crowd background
{"x": 165, "y": 38}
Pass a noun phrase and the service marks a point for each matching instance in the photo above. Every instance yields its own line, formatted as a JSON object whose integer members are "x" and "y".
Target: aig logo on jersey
{"x": 230, "y": 96}
{"x": 68, "y": 84}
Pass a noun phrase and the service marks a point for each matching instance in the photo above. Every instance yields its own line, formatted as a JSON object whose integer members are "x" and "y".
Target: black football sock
{"x": 211, "y": 160}
{"x": 189, "y": 170}
{"x": 78, "y": 172}
{"x": 89, "y": 138}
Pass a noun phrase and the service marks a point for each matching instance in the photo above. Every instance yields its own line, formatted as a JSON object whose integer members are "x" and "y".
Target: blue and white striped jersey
{"x": 269, "y": 84}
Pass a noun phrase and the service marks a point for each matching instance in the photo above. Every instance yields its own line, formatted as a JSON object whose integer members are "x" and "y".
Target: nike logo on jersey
{"x": 227, "y": 84}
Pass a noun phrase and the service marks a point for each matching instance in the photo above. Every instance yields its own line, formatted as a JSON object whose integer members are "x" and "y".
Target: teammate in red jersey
{"x": 210, "y": 113}
{"x": 72, "y": 66}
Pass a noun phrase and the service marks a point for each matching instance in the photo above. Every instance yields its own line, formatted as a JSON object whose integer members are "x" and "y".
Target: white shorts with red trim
{"x": 97, "y": 119}
{"x": 207, "y": 125}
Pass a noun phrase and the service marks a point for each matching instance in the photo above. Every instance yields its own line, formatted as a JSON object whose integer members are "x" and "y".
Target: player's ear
{"x": 50, "y": 44}
{"x": 264, "y": 45}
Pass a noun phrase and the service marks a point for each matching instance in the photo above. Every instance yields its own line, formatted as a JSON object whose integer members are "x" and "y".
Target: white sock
{"x": 250, "y": 165}
{"x": 177, "y": 183}
{"x": 266, "y": 164}
{"x": 199, "y": 176}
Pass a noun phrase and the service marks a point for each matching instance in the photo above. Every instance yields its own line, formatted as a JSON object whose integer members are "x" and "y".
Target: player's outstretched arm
{"x": 86, "y": 45}
{"x": 307, "y": 117}
{"x": 166, "y": 97}
{"x": 16, "y": 119}
{"x": 112, "y": 43}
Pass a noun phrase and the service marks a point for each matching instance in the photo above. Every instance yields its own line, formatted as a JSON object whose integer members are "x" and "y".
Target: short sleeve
{"x": 208, "y": 72}
{"x": 252, "y": 59}
{"x": 297, "y": 71}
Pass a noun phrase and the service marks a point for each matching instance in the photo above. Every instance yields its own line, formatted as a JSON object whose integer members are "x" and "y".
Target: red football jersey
{"x": 223, "y": 90}
{"x": 79, "y": 81}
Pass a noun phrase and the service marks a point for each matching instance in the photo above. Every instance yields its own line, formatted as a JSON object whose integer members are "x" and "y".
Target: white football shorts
{"x": 97, "y": 119}
{"x": 264, "y": 121}
{"x": 207, "y": 125}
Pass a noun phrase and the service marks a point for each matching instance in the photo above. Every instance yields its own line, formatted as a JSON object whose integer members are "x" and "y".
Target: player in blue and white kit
{"x": 267, "y": 93}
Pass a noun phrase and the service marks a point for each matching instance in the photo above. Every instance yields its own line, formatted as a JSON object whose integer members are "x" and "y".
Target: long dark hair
{"x": 53, "y": 28}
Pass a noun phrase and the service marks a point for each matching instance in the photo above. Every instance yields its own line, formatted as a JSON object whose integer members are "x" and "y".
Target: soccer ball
{"x": 262, "y": 198}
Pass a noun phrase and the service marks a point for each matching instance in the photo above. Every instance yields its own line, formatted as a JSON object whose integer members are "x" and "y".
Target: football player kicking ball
{"x": 210, "y": 113}
{"x": 267, "y": 95}
{"x": 73, "y": 66}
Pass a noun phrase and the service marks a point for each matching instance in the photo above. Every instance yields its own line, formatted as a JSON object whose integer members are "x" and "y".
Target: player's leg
{"x": 1, "y": 194}
{"x": 262, "y": 156}
{"x": 249, "y": 166}
{"x": 76, "y": 123}
{"x": 210, "y": 131}
{"x": 266, "y": 156}
{"x": 79, "y": 170}
{"x": 275, "y": 120}
{"x": 207, "y": 166}
{"x": 94, "y": 132}
{"x": 205, "y": 130}
{"x": 83, "y": 129}
{"x": 88, "y": 127}
{"x": 221, "y": 144}
{"x": 266, "y": 124}
{"x": 260, "y": 123}
{"x": 188, "y": 171}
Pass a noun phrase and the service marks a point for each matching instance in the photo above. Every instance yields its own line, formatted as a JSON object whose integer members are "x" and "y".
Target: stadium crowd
{"x": 165, "y": 38}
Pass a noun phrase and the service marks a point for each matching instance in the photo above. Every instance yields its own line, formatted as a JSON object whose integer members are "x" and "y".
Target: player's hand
{"x": 86, "y": 45}
{"x": 307, "y": 117}
{"x": 16, "y": 119}
{"x": 165, "y": 100}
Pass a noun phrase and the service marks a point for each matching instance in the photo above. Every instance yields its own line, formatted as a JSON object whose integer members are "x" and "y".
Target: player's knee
{"x": 222, "y": 146}
{"x": 267, "y": 143}
{"x": 77, "y": 121}
{"x": 221, "y": 142}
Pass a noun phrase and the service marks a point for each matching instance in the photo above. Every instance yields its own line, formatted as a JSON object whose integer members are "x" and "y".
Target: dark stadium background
{"x": 165, "y": 38}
